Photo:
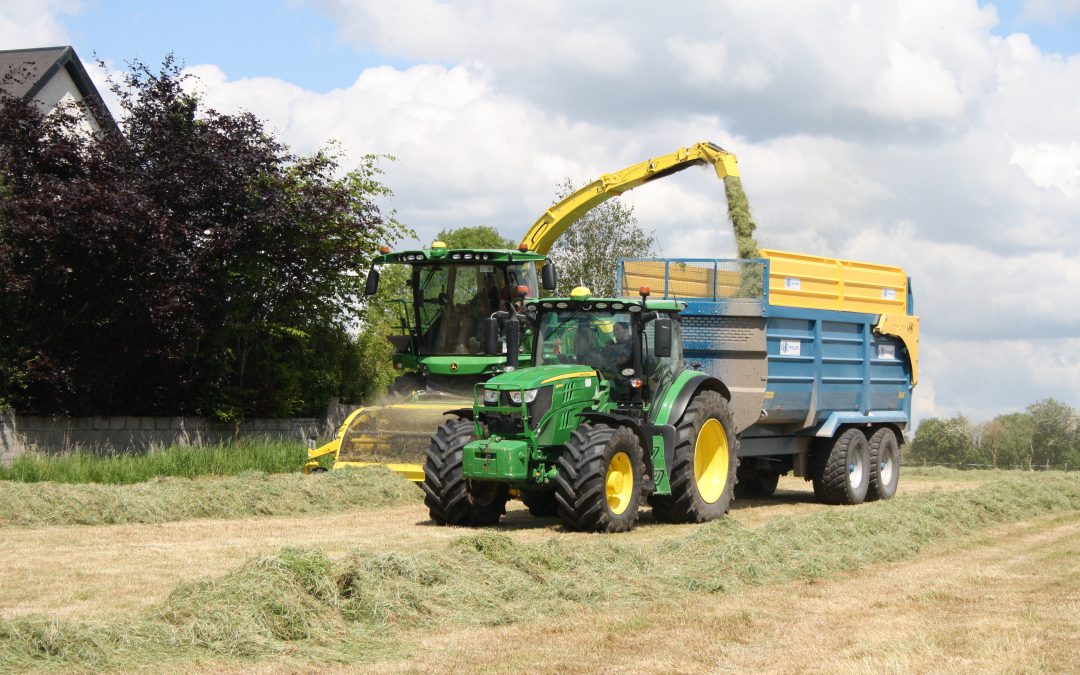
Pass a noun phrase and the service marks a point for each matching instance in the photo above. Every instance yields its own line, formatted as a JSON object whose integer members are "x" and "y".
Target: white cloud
{"x": 1051, "y": 165}
{"x": 25, "y": 25}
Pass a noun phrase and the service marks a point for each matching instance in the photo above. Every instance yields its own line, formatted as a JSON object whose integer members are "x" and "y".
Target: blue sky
{"x": 287, "y": 40}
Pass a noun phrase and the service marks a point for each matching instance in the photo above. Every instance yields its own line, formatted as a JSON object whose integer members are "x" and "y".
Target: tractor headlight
{"x": 491, "y": 396}
{"x": 530, "y": 396}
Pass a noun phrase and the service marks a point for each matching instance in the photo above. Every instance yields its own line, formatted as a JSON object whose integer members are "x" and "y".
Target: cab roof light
{"x": 438, "y": 244}
{"x": 384, "y": 249}
{"x": 524, "y": 248}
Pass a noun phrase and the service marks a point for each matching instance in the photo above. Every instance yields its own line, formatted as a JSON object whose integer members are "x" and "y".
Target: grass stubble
{"x": 299, "y": 607}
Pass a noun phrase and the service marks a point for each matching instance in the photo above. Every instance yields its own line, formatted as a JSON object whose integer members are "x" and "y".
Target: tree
{"x": 588, "y": 252}
{"x": 480, "y": 236}
{"x": 1056, "y": 437}
{"x": 949, "y": 441}
{"x": 1007, "y": 440}
{"x": 191, "y": 265}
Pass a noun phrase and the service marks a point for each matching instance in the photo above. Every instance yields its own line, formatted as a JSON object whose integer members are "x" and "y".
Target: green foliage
{"x": 194, "y": 265}
{"x": 388, "y": 313}
{"x": 945, "y": 440}
{"x": 481, "y": 236}
{"x": 588, "y": 252}
{"x": 1046, "y": 434}
{"x": 299, "y": 603}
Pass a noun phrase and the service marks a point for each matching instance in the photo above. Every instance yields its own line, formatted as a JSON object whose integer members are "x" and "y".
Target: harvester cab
{"x": 437, "y": 347}
{"x": 605, "y": 417}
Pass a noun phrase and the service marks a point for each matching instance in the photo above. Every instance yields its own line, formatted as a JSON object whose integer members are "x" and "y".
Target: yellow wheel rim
{"x": 620, "y": 483}
{"x": 711, "y": 461}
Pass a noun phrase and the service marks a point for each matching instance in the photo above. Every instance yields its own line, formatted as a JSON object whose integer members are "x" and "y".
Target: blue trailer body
{"x": 796, "y": 374}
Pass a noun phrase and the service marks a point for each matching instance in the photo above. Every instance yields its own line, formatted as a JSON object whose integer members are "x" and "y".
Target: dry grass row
{"x": 301, "y": 604}
{"x": 168, "y": 499}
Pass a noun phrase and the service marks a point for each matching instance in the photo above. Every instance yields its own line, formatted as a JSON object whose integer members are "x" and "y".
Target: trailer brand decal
{"x": 886, "y": 352}
{"x": 790, "y": 348}
{"x": 792, "y": 284}
{"x": 888, "y": 294}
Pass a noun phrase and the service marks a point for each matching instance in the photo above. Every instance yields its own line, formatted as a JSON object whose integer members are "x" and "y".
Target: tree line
{"x": 188, "y": 264}
{"x": 1046, "y": 434}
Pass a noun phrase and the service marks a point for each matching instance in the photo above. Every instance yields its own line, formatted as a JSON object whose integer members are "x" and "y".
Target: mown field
{"x": 344, "y": 571}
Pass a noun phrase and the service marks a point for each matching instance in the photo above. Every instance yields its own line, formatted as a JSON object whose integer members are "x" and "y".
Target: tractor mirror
{"x": 548, "y": 277}
{"x": 491, "y": 336}
{"x": 372, "y": 282}
{"x": 513, "y": 343}
{"x": 662, "y": 339}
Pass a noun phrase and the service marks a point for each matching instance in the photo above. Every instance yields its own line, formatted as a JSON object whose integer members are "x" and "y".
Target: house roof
{"x": 42, "y": 64}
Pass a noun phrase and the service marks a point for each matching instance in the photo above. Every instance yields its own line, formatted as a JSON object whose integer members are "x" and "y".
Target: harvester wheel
{"x": 704, "y": 463}
{"x": 541, "y": 504}
{"x": 841, "y": 469}
{"x": 884, "y": 464}
{"x": 601, "y": 471}
{"x": 452, "y": 500}
{"x": 755, "y": 482}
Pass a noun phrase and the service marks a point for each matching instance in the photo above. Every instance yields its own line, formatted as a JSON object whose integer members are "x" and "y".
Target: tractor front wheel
{"x": 452, "y": 500}
{"x": 601, "y": 472}
{"x": 704, "y": 462}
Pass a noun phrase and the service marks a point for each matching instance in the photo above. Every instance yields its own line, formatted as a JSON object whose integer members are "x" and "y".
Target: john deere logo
{"x": 453, "y": 367}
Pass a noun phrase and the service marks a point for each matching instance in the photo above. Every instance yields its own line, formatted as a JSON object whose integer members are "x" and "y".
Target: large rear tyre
{"x": 884, "y": 464}
{"x": 452, "y": 500}
{"x": 841, "y": 469}
{"x": 704, "y": 463}
{"x": 541, "y": 504}
{"x": 755, "y": 482}
{"x": 601, "y": 472}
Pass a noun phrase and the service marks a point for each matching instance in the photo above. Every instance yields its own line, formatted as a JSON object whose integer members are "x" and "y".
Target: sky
{"x": 937, "y": 135}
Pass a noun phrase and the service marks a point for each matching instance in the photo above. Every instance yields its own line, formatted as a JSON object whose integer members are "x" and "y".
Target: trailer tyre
{"x": 884, "y": 464}
{"x": 452, "y": 500}
{"x": 841, "y": 469}
{"x": 541, "y": 504}
{"x": 755, "y": 482}
{"x": 704, "y": 463}
{"x": 601, "y": 473}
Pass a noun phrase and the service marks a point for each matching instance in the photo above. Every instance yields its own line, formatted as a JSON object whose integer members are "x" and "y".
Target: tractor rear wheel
{"x": 601, "y": 472}
{"x": 452, "y": 500}
{"x": 841, "y": 469}
{"x": 704, "y": 463}
{"x": 884, "y": 464}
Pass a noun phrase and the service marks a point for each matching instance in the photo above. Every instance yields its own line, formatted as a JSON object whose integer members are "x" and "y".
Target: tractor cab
{"x": 633, "y": 345}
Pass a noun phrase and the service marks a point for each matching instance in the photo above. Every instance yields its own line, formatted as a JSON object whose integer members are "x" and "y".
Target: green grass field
{"x": 368, "y": 607}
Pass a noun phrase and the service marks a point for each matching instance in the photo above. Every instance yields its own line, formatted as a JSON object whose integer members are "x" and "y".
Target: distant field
{"x": 368, "y": 587}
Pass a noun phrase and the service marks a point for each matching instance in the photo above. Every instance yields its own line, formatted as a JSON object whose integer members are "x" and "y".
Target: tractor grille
{"x": 503, "y": 424}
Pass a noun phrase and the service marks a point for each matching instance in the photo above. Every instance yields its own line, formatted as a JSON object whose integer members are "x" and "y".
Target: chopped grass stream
{"x": 300, "y": 605}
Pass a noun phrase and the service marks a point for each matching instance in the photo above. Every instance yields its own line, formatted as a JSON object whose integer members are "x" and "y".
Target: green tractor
{"x": 606, "y": 416}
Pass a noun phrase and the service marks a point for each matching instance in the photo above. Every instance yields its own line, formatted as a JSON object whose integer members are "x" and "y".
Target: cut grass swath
{"x": 301, "y": 605}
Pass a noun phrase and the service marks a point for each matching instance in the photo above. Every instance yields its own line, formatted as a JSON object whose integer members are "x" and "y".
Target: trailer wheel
{"x": 601, "y": 471}
{"x": 704, "y": 463}
{"x": 755, "y": 482}
{"x": 841, "y": 469}
{"x": 884, "y": 464}
{"x": 452, "y": 500}
{"x": 540, "y": 504}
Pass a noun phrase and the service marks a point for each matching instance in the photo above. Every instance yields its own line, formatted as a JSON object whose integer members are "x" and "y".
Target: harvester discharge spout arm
{"x": 557, "y": 219}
